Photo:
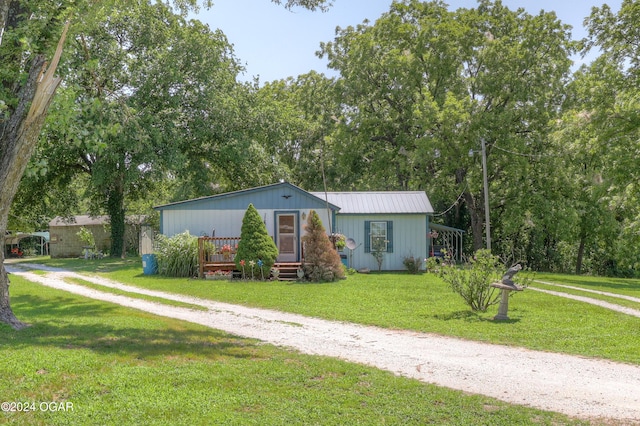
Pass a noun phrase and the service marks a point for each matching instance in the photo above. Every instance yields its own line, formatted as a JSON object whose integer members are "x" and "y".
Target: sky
{"x": 274, "y": 43}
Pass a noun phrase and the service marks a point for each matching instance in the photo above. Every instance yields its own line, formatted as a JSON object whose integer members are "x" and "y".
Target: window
{"x": 378, "y": 234}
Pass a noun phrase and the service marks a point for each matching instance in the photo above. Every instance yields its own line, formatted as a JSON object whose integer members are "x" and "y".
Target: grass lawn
{"x": 423, "y": 303}
{"x": 120, "y": 366}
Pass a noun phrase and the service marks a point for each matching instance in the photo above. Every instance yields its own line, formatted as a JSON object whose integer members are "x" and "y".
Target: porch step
{"x": 288, "y": 271}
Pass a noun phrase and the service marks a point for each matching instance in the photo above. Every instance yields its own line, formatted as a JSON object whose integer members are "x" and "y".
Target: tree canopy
{"x": 30, "y": 32}
{"x": 150, "y": 108}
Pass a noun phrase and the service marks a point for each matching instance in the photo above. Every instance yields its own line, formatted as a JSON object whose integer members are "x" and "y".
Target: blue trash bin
{"x": 149, "y": 264}
{"x": 344, "y": 260}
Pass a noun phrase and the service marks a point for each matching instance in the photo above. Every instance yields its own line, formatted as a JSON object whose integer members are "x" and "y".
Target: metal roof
{"x": 377, "y": 202}
{"x": 88, "y": 220}
{"x": 79, "y": 220}
{"x": 15, "y": 238}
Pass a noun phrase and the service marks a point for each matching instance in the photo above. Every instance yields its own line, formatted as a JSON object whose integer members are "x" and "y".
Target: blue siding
{"x": 280, "y": 196}
{"x": 409, "y": 239}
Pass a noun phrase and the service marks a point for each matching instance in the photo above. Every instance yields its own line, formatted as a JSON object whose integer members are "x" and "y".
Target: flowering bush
{"x": 338, "y": 240}
{"x": 226, "y": 249}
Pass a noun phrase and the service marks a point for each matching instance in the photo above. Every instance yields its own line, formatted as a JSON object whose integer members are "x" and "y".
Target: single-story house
{"x": 65, "y": 242}
{"x": 398, "y": 219}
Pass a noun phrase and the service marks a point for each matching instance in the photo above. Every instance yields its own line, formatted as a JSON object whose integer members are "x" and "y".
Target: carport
{"x": 14, "y": 243}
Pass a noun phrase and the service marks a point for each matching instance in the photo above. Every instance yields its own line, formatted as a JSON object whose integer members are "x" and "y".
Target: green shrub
{"x": 413, "y": 264}
{"x": 86, "y": 236}
{"x": 255, "y": 245}
{"x": 433, "y": 264}
{"x": 177, "y": 256}
{"x": 473, "y": 281}
{"x": 321, "y": 261}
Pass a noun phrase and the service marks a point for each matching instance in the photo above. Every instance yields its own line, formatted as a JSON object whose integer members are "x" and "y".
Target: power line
{"x": 536, "y": 156}
{"x": 455, "y": 203}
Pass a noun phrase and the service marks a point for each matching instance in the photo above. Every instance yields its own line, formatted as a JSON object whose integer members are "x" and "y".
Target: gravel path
{"x": 576, "y": 386}
{"x": 586, "y": 290}
{"x": 590, "y": 300}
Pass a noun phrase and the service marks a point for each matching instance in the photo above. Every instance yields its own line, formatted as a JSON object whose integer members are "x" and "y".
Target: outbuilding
{"x": 65, "y": 242}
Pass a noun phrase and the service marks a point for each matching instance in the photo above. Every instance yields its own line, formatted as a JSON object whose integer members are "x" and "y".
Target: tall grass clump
{"x": 177, "y": 256}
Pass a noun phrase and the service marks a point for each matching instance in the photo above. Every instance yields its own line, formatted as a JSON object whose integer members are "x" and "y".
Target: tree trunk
{"x": 6, "y": 313}
{"x": 475, "y": 213}
{"x": 477, "y": 225}
{"x": 580, "y": 257}
{"x": 115, "y": 207}
{"x": 18, "y": 139}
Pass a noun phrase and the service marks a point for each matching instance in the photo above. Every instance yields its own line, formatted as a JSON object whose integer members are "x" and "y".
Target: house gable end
{"x": 280, "y": 196}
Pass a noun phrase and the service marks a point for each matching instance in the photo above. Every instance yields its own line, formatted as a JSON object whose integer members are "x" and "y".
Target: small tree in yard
{"x": 321, "y": 260}
{"x": 473, "y": 282}
{"x": 255, "y": 244}
{"x": 86, "y": 236}
{"x": 378, "y": 249}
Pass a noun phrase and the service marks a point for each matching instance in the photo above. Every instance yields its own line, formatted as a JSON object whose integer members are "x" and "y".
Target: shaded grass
{"x": 423, "y": 303}
{"x": 122, "y": 366}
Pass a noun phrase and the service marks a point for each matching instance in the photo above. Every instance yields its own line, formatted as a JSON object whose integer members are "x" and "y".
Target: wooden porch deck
{"x": 218, "y": 253}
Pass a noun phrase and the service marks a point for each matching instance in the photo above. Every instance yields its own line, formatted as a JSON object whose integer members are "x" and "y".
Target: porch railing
{"x": 216, "y": 253}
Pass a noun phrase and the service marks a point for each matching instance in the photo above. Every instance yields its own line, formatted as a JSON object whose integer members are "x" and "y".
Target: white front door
{"x": 287, "y": 237}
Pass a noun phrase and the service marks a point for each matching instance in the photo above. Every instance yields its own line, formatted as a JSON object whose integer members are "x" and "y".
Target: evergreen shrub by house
{"x": 255, "y": 245}
{"x": 321, "y": 261}
{"x": 177, "y": 256}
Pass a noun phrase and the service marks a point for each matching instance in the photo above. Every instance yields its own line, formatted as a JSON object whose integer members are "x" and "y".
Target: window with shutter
{"x": 379, "y": 234}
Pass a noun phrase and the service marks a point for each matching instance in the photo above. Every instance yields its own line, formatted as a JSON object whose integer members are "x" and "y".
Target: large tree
{"x": 29, "y": 33}
{"x": 143, "y": 87}
{"x": 600, "y": 133}
{"x": 27, "y": 86}
{"x": 423, "y": 85}
{"x": 303, "y": 112}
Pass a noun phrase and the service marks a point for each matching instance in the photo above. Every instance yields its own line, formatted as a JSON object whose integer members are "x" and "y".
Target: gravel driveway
{"x": 576, "y": 386}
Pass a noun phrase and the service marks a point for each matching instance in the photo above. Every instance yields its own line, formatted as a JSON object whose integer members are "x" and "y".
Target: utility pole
{"x": 487, "y": 222}
{"x": 485, "y": 184}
